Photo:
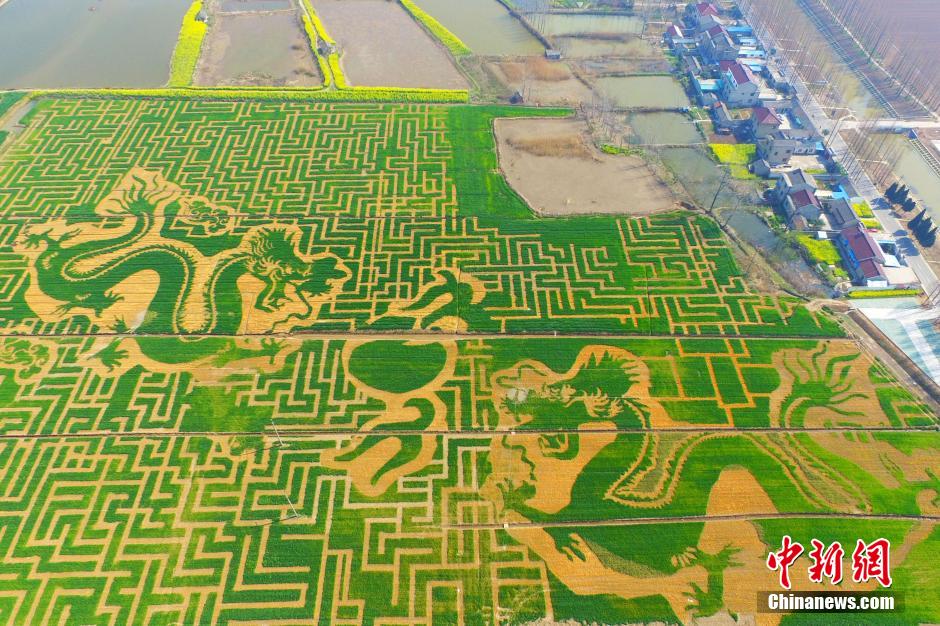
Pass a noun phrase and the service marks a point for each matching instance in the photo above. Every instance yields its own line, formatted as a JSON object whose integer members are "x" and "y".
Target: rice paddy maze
{"x": 317, "y": 364}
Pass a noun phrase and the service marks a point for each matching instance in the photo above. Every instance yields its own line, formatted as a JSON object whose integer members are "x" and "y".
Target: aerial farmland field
{"x": 295, "y": 350}
{"x": 202, "y": 462}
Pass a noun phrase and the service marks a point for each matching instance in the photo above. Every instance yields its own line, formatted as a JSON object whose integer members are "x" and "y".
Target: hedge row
{"x": 186, "y": 54}
{"x": 350, "y": 94}
{"x": 449, "y": 39}
{"x": 861, "y": 294}
{"x": 311, "y": 31}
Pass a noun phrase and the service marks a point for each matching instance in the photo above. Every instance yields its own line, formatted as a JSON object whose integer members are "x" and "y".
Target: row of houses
{"x": 749, "y": 97}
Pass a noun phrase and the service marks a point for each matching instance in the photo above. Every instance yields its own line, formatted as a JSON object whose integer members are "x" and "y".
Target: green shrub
{"x": 275, "y": 94}
{"x": 311, "y": 31}
{"x": 317, "y": 24}
{"x": 8, "y": 99}
{"x": 738, "y": 156}
{"x": 625, "y": 150}
{"x": 338, "y": 76}
{"x": 862, "y": 209}
{"x": 861, "y": 294}
{"x": 870, "y": 223}
{"x": 188, "y": 46}
{"x": 449, "y": 39}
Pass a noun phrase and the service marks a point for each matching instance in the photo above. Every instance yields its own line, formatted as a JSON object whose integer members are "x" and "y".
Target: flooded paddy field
{"x": 566, "y": 24}
{"x": 381, "y": 45}
{"x": 643, "y": 91}
{"x": 236, "y": 6}
{"x": 580, "y": 47}
{"x": 88, "y": 43}
{"x": 914, "y": 172}
{"x": 257, "y": 49}
{"x": 663, "y": 128}
{"x": 485, "y": 26}
{"x": 699, "y": 175}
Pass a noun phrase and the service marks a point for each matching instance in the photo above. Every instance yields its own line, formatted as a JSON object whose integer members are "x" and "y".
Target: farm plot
{"x": 356, "y": 480}
{"x": 381, "y": 45}
{"x": 257, "y": 48}
{"x": 154, "y": 384}
{"x": 172, "y": 451}
{"x": 554, "y": 165}
{"x": 175, "y": 215}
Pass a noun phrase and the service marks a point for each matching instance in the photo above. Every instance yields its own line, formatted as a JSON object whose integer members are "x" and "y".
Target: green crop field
{"x": 316, "y": 363}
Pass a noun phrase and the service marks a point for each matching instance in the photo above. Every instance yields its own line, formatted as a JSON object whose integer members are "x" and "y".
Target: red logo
{"x": 784, "y": 558}
{"x": 870, "y": 561}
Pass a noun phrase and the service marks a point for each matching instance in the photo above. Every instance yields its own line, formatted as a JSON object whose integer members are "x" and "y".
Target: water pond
{"x": 88, "y": 43}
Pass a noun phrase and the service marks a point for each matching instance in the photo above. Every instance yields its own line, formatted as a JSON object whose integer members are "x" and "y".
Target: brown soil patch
{"x": 737, "y": 492}
{"x": 257, "y": 49}
{"x": 558, "y": 145}
{"x": 558, "y": 182}
{"x": 541, "y": 81}
{"x": 381, "y": 45}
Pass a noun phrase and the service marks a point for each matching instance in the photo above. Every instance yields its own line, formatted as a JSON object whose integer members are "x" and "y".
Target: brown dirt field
{"x": 257, "y": 49}
{"x": 557, "y": 145}
{"x": 569, "y": 183}
{"x": 542, "y": 82}
{"x": 382, "y": 46}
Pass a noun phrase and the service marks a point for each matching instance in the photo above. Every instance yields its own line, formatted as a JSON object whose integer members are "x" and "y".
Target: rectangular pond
{"x": 914, "y": 172}
{"x": 559, "y": 24}
{"x": 485, "y": 26}
{"x": 643, "y": 91}
{"x": 614, "y": 46}
{"x": 664, "y": 128}
{"x": 257, "y": 49}
{"x": 88, "y": 43}
{"x": 382, "y": 45}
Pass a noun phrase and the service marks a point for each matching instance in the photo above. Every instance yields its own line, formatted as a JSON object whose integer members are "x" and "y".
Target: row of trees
{"x": 922, "y": 225}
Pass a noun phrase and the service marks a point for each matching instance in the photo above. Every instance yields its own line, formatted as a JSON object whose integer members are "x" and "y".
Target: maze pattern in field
{"x": 83, "y": 385}
{"x": 374, "y": 188}
{"x": 232, "y": 473}
{"x": 267, "y": 160}
{"x": 227, "y": 529}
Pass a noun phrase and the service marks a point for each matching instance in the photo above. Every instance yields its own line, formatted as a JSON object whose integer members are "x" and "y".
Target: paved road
{"x": 892, "y": 124}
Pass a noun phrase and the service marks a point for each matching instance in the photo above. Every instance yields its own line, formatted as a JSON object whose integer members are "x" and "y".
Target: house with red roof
{"x": 803, "y": 203}
{"x": 740, "y": 86}
{"x": 863, "y": 257}
{"x": 716, "y": 44}
{"x": 703, "y": 15}
{"x": 764, "y": 121}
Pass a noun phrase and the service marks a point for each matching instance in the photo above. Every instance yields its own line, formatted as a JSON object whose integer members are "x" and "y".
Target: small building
{"x": 739, "y": 86}
{"x": 804, "y": 203}
{"x": 702, "y": 15}
{"x": 672, "y": 33}
{"x": 793, "y": 181}
{"x": 716, "y": 45}
{"x": 764, "y": 121}
{"x": 780, "y": 145}
{"x": 776, "y": 150}
{"x": 840, "y": 213}
{"x": 863, "y": 257}
{"x": 553, "y": 55}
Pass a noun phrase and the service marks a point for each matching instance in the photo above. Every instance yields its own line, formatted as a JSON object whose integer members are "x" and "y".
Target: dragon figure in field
{"x": 158, "y": 261}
